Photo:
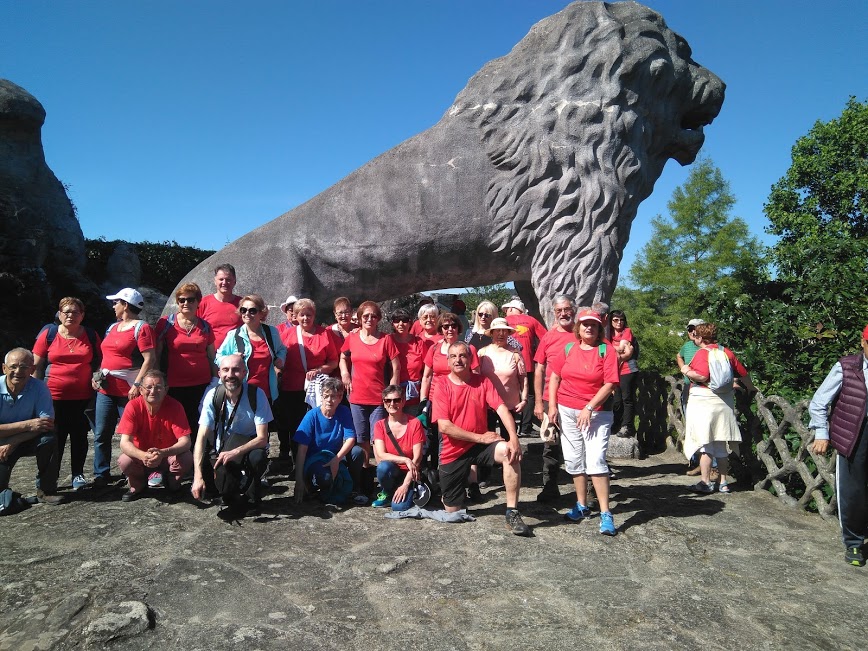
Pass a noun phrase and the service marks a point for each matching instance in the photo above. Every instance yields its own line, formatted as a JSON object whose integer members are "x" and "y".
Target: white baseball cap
{"x": 514, "y": 302}
{"x": 129, "y": 295}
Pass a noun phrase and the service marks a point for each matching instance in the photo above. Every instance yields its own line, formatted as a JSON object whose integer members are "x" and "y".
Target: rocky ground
{"x": 739, "y": 571}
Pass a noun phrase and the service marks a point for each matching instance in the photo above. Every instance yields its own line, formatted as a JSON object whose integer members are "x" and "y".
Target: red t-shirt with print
{"x": 528, "y": 331}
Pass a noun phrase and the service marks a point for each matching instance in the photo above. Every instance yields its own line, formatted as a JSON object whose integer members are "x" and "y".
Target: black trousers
{"x": 70, "y": 421}
{"x": 623, "y": 406}
{"x": 190, "y": 398}
{"x": 552, "y": 459}
{"x": 44, "y": 448}
{"x": 242, "y": 476}
{"x": 289, "y": 410}
{"x": 851, "y": 477}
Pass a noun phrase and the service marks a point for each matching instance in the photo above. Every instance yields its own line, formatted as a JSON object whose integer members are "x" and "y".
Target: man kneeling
{"x": 459, "y": 409}
{"x": 155, "y": 437}
{"x": 233, "y": 434}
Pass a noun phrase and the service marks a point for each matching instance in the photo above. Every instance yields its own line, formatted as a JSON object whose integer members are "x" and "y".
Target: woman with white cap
{"x": 504, "y": 367}
{"x": 121, "y": 375}
{"x": 582, "y": 381}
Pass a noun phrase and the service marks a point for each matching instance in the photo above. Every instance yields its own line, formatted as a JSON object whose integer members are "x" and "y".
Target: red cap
{"x": 865, "y": 333}
{"x": 589, "y": 315}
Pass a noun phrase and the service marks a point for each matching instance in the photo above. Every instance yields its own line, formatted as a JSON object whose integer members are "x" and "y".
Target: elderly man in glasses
{"x": 155, "y": 437}
{"x": 27, "y": 425}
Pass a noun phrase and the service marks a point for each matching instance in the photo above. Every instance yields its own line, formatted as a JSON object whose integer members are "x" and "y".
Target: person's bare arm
{"x": 539, "y": 376}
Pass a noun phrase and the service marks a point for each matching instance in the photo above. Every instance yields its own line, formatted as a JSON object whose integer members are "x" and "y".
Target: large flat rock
{"x": 685, "y": 572}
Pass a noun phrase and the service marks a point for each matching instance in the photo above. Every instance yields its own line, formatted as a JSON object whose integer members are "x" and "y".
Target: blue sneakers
{"x": 382, "y": 500}
{"x": 78, "y": 482}
{"x": 577, "y": 513}
{"x": 607, "y": 524}
{"x": 155, "y": 480}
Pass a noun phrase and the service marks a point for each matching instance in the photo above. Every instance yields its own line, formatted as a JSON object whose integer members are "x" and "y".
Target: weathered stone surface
{"x": 623, "y": 448}
{"x": 41, "y": 244}
{"x": 533, "y": 175}
{"x": 684, "y": 572}
{"x": 123, "y": 268}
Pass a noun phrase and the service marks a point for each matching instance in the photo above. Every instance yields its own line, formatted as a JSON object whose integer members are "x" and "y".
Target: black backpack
{"x": 219, "y": 400}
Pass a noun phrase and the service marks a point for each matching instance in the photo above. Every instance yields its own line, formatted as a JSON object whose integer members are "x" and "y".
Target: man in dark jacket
{"x": 845, "y": 390}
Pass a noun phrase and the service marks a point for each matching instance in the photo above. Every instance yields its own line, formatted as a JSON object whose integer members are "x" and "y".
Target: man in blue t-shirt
{"x": 27, "y": 424}
{"x": 237, "y": 435}
{"x": 327, "y": 429}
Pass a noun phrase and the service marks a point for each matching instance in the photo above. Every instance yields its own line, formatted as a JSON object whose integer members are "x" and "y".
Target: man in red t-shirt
{"x": 528, "y": 332}
{"x": 155, "y": 437}
{"x": 552, "y": 344}
{"x": 220, "y": 309}
{"x": 460, "y": 408}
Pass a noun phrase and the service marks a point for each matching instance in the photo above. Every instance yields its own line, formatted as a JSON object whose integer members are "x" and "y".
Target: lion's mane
{"x": 571, "y": 141}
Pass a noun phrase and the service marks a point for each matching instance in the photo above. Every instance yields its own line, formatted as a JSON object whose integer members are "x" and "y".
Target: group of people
{"x": 434, "y": 403}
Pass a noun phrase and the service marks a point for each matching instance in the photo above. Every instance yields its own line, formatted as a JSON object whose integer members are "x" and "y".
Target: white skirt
{"x": 710, "y": 417}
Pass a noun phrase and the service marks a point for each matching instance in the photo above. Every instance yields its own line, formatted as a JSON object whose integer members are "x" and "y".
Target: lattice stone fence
{"x": 774, "y": 453}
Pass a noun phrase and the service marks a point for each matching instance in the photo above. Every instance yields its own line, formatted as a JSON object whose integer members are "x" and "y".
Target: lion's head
{"x": 579, "y": 120}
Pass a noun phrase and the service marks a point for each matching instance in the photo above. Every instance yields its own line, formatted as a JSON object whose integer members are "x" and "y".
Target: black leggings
{"x": 70, "y": 421}
{"x": 290, "y": 409}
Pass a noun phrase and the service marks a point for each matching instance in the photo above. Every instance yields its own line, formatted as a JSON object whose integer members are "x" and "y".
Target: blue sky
{"x": 199, "y": 120}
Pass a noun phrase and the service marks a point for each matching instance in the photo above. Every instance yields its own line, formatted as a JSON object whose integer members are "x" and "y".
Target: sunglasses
{"x": 252, "y": 311}
{"x": 187, "y": 299}
{"x": 392, "y": 401}
{"x": 449, "y": 326}
{"x": 370, "y": 317}
{"x": 401, "y": 319}
{"x": 484, "y": 315}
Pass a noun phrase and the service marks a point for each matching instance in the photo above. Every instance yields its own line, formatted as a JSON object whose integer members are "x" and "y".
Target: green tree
{"x": 497, "y": 294}
{"x": 695, "y": 255}
{"x": 815, "y": 308}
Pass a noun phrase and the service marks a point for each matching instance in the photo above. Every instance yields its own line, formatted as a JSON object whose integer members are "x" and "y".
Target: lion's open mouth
{"x": 707, "y": 100}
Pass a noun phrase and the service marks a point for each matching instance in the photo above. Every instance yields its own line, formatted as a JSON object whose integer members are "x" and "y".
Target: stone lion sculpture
{"x": 533, "y": 175}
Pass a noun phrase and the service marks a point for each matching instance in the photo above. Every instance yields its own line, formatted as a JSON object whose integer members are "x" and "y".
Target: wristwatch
{"x": 137, "y": 384}
{"x": 588, "y": 407}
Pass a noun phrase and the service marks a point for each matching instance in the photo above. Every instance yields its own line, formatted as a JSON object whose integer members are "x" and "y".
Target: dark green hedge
{"x": 164, "y": 264}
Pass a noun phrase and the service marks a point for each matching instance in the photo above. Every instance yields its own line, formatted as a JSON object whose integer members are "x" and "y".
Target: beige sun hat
{"x": 499, "y": 324}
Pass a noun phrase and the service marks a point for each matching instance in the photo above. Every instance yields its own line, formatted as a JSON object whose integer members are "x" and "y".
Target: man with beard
{"x": 460, "y": 406}
{"x": 27, "y": 425}
{"x": 234, "y": 425}
{"x": 552, "y": 344}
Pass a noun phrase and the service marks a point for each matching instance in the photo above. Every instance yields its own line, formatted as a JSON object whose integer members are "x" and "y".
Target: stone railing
{"x": 774, "y": 453}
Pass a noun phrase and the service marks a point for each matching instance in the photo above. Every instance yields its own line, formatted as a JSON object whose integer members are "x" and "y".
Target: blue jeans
{"x": 44, "y": 448}
{"x": 108, "y": 410}
{"x": 390, "y": 476}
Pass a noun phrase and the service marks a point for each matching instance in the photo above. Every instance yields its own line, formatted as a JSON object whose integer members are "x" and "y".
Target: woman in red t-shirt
{"x": 412, "y": 349}
{"x": 622, "y": 339}
{"x": 366, "y": 355}
{"x": 185, "y": 346}
{"x": 583, "y": 377}
{"x": 343, "y": 324}
{"x": 122, "y": 374}
{"x": 397, "y": 469}
{"x": 311, "y": 350}
{"x": 71, "y": 359}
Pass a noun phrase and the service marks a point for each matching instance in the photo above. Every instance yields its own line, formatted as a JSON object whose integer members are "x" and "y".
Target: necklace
{"x": 187, "y": 329}
{"x": 68, "y": 339}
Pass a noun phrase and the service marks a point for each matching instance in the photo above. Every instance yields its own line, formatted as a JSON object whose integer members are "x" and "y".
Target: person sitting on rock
{"x": 27, "y": 425}
{"x": 230, "y": 455}
{"x": 460, "y": 406}
{"x": 155, "y": 438}
{"x": 327, "y": 449}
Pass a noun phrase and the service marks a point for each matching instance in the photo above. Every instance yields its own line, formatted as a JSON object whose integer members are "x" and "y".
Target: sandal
{"x": 724, "y": 487}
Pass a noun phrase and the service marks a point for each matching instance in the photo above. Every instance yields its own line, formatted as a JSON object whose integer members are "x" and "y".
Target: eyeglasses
{"x": 392, "y": 401}
{"x": 564, "y": 310}
{"x": 370, "y": 317}
{"x": 248, "y": 310}
{"x": 691, "y": 328}
{"x": 71, "y": 312}
{"x": 156, "y": 387}
{"x": 343, "y": 313}
{"x": 18, "y": 367}
{"x": 187, "y": 299}
{"x": 449, "y": 326}
{"x": 617, "y": 318}
{"x": 400, "y": 319}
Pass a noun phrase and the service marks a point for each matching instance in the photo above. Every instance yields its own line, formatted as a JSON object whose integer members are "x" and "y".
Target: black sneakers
{"x": 515, "y": 524}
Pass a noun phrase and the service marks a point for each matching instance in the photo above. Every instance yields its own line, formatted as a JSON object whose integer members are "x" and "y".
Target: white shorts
{"x": 585, "y": 453}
